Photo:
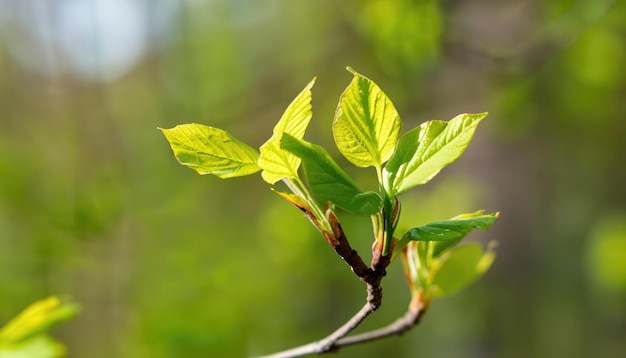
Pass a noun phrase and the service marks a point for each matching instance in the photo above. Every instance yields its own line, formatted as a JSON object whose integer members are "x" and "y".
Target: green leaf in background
{"x": 24, "y": 336}
{"x": 460, "y": 267}
{"x": 447, "y": 233}
{"x": 274, "y": 160}
{"x": 41, "y": 346}
{"x": 425, "y": 150}
{"x": 328, "y": 182}
{"x": 366, "y": 125}
{"x": 209, "y": 150}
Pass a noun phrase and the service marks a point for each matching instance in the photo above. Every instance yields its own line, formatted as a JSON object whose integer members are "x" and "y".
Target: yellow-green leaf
{"x": 461, "y": 267}
{"x": 41, "y": 346}
{"x": 425, "y": 150}
{"x": 366, "y": 126}
{"x": 209, "y": 150}
{"x": 276, "y": 162}
{"x": 447, "y": 233}
{"x": 36, "y": 319}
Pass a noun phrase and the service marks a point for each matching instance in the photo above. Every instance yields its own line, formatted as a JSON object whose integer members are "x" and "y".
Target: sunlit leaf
{"x": 41, "y": 346}
{"x": 461, "y": 266}
{"x": 328, "y": 182}
{"x": 447, "y": 233}
{"x": 276, "y": 162}
{"x": 424, "y": 151}
{"x": 36, "y": 319}
{"x": 209, "y": 150}
{"x": 366, "y": 125}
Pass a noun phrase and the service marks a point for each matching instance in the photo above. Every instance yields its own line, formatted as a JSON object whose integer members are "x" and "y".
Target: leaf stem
{"x": 293, "y": 187}
{"x": 297, "y": 187}
{"x": 372, "y": 276}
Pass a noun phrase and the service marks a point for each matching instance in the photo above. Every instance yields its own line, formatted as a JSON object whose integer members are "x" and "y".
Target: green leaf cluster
{"x": 367, "y": 132}
{"x": 435, "y": 265}
{"x": 25, "y": 335}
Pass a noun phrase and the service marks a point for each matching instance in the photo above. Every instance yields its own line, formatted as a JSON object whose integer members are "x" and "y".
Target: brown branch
{"x": 372, "y": 277}
{"x": 374, "y": 298}
{"x": 329, "y": 343}
{"x": 337, "y": 339}
{"x": 410, "y": 319}
{"x": 345, "y": 251}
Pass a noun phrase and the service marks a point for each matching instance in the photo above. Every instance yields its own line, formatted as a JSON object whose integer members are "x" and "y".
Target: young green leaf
{"x": 328, "y": 182}
{"x": 447, "y": 233}
{"x": 36, "y": 319}
{"x": 38, "y": 346}
{"x": 209, "y": 150}
{"x": 366, "y": 126}
{"x": 460, "y": 267}
{"x": 422, "y": 152}
{"x": 276, "y": 162}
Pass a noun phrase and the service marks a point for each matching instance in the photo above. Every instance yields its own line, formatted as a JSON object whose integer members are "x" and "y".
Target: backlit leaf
{"x": 366, "y": 125}
{"x": 461, "y": 266}
{"x": 276, "y": 162}
{"x": 328, "y": 182}
{"x": 425, "y": 150}
{"x": 41, "y": 346}
{"x": 447, "y": 233}
{"x": 209, "y": 150}
{"x": 36, "y": 319}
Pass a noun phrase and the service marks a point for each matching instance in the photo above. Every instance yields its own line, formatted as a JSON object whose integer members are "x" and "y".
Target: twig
{"x": 329, "y": 343}
{"x": 337, "y": 339}
{"x": 372, "y": 276}
{"x": 345, "y": 251}
{"x": 410, "y": 319}
{"x": 374, "y": 298}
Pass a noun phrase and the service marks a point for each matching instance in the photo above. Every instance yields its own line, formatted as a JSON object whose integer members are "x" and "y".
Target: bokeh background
{"x": 167, "y": 263}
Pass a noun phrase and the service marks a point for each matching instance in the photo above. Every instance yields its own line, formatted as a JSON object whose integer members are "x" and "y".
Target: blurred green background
{"x": 167, "y": 263}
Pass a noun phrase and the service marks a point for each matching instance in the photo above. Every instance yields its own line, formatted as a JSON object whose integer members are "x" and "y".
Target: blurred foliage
{"x": 404, "y": 35}
{"x": 606, "y": 246}
{"x": 25, "y": 335}
{"x": 93, "y": 204}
